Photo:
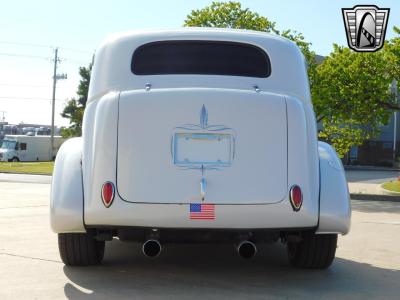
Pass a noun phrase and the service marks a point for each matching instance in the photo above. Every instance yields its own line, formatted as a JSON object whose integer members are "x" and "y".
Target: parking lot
{"x": 367, "y": 263}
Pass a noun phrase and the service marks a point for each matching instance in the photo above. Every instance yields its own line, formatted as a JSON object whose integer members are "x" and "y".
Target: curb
{"x": 374, "y": 197}
{"x": 388, "y": 192}
{"x": 368, "y": 168}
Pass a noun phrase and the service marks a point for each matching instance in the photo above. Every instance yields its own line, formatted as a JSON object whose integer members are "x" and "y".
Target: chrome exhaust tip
{"x": 247, "y": 249}
{"x": 151, "y": 248}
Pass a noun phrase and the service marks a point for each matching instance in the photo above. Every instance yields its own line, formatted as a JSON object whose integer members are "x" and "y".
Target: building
{"x": 377, "y": 151}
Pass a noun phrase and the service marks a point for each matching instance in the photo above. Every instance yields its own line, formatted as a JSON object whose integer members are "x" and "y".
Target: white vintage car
{"x": 199, "y": 135}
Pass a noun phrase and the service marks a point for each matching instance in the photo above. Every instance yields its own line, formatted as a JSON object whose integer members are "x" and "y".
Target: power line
{"x": 25, "y": 44}
{"x": 29, "y": 85}
{"x": 24, "y": 85}
{"x": 67, "y": 60}
{"x": 29, "y": 98}
{"x": 24, "y": 55}
{"x": 45, "y": 46}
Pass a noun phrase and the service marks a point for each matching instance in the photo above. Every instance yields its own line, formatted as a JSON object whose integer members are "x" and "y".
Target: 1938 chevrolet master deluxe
{"x": 199, "y": 135}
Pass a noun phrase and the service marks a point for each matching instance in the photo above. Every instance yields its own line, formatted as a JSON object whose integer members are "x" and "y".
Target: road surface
{"x": 371, "y": 176}
{"x": 367, "y": 264}
{"x": 24, "y": 178}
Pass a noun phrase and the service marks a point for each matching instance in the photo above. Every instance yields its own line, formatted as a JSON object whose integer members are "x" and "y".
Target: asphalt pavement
{"x": 367, "y": 263}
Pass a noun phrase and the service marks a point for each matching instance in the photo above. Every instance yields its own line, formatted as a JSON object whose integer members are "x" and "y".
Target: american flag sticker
{"x": 200, "y": 211}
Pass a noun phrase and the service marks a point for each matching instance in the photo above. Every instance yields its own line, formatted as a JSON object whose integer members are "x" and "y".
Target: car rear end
{"x": 200, "y": 136}
{"x": 173, "y": 153}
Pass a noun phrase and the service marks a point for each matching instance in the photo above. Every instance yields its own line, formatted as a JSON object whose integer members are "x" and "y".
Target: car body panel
{"x": 149, "y": 121}
{"x": 66, "y": 205}
{"x": 335, "y": 210}
{"x": 112, "y": 65}
{"x": 135, "y": 128}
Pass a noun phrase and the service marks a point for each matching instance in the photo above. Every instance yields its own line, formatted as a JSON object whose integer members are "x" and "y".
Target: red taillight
{"x": 107, "y": 193}
{"x": 296, "y": 197}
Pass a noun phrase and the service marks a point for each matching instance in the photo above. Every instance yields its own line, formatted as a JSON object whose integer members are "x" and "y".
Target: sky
{"x": 30, "y": 30}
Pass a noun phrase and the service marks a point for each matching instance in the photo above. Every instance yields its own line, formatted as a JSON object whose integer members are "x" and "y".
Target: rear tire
{"x": 80, "y": 249}
{"x": 314, "y": 251}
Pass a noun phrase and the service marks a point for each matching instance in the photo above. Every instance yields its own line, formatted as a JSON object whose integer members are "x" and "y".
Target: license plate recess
{"x": 203, "y": 149}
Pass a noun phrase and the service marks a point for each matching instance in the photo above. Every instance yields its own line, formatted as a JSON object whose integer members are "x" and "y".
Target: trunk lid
{"x": 182, "y": 145}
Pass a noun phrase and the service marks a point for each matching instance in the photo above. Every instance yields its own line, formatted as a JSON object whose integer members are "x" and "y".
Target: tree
{"x": 392, "y": 54}
{"x": 75, "y": 107}
{"x": 232, "y": 15}
{"x": 350, "y": 94}
{"x": 228, "y": 15}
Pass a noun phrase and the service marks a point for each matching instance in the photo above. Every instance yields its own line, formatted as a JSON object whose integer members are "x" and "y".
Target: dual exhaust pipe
{"x": 152, "y": 248}
{"x": 246, "y": 249}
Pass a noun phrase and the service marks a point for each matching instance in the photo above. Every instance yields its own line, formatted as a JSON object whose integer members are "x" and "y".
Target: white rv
{"x": 29, "y": 148}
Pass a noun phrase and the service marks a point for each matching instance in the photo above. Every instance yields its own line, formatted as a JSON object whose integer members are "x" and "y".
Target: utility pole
{"x": 393, "y": 88}
{"x": 3, "y": 118}
{"x": 53, "y": 100}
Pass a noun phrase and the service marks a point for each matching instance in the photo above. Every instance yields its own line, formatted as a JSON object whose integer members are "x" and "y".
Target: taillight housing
{"x": 296, "y": 197}
{"x": 107, "y": 193}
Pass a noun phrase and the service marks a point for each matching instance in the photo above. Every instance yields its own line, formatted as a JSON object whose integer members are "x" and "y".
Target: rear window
{"x": 200, "y": 57}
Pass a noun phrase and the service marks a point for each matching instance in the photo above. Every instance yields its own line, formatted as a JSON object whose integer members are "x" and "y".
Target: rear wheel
{"x": 80, "y": 249}
{"x": 314, "y": 251}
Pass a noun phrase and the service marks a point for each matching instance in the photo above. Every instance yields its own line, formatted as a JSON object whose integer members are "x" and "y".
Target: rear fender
{"x": 66, "y": 201}
{"x": 335, "y": 211}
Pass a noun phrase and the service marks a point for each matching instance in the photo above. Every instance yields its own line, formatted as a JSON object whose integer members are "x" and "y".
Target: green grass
{"x": 393, "y": 186}
{"x": 27, "y": 167}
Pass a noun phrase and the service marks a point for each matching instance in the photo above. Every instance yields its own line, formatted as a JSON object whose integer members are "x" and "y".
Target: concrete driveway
{"x": 367, "y": 264}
